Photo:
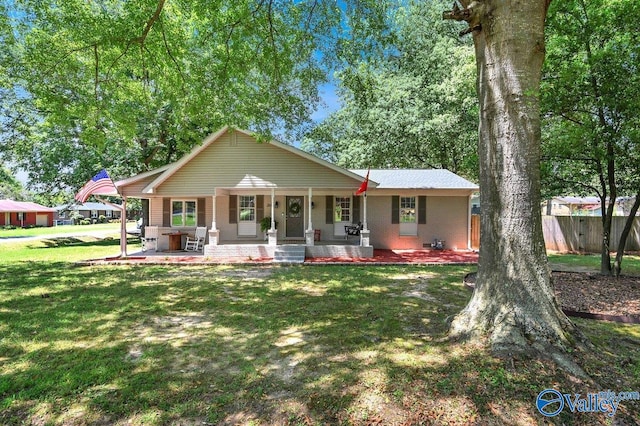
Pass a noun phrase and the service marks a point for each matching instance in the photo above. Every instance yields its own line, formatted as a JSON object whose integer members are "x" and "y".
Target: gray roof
{"x": 86, "y": 206}
{"x": 417, "y": 179}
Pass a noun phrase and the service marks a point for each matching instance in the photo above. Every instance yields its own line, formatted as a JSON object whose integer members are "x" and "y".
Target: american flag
{"x": 99, "y": 184}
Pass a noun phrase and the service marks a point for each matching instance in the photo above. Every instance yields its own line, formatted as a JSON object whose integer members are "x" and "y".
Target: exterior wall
{"x": 447, "y": 219}
{"x": 29, "y": 219}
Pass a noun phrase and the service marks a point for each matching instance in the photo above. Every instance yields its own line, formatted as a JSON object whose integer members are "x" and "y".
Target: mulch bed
{"x": 594, "y": 296}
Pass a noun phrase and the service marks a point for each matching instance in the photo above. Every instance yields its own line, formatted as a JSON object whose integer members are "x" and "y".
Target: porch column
{"x": 272, "y": 233}
{"x": 214, "y": 233}
{"x": 309, "y": 233}
{"x": 364, "y": 233}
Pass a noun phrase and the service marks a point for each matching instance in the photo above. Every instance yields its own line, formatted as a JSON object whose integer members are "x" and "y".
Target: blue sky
{"x": 330, "y": 102}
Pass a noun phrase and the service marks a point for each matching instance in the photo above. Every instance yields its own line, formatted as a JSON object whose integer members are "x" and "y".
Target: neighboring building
{"x": 23, "y": 214}
{"x": 87, "y": 210}
{"x": 231, "y": 182}
{"x": 579, "y": 206}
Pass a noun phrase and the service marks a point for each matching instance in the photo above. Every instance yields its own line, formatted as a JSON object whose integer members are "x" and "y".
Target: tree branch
{"x": 151, "y": 22}
{"x": 471, "y": 12}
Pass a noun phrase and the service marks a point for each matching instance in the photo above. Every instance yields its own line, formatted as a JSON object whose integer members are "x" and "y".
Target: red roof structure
{"x": 24, "y": 213}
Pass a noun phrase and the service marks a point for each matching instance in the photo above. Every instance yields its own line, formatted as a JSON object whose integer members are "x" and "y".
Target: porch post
{"x": 273, "y": 209}
{"x": 365, "y": 233}
{"x": 214, "y": 233}
{"x": 272, "y": 233}
{"x": 309, "y": 233}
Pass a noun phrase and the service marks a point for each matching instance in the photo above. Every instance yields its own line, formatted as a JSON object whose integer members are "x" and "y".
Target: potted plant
{"x": 265, "y": 225}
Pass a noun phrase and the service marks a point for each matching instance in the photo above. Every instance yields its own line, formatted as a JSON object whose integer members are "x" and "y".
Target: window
{"x": 247, "y": 216}
{"x": 408, "y": 218}
{"x": 94, "y": 214}
{"x": 183, "y": 213}
{"x": 108, "y": 213}
{"x": 407, "y": 209}
{"x": 247, "y": 208}
{"x": 342, "y": 210}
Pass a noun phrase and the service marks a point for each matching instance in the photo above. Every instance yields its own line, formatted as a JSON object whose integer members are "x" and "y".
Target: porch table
{"x": 175, "y": 240}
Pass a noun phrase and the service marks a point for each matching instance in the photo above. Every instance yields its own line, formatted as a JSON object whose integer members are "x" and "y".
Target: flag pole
{"x": 123, "y": 221}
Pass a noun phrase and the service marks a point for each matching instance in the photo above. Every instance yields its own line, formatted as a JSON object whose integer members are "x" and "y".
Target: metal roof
{"x": 22, "y": 206}
{"x": 86, "y": 206}
{"x": 417, "y": 179}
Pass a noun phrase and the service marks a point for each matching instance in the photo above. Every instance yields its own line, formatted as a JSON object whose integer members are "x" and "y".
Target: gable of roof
{"x": 291, "y": 165}
{"x": 417, "y": 179}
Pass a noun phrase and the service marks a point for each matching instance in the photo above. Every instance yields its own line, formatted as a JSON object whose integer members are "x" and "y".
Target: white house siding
{"x": 225, "y": 165}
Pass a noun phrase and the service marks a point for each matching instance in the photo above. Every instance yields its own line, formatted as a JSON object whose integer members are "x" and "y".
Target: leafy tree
{"x": 133, "y": 85}
{"x": 591, "y": 100}
{"x": 513, "y": 306}
{"x": 412, "y": 107}
{"x": 10, "y": 187}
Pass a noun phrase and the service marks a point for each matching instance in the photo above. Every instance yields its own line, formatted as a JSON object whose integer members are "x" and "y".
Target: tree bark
{"x": 513, "y": 305}
{"x": 617, "y": 264}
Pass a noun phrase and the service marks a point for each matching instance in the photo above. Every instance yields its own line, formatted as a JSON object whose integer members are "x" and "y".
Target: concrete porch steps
{"x": 289, "y": 254}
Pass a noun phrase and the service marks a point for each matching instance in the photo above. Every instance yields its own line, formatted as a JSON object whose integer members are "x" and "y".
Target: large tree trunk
{"x": 513, "y": 304}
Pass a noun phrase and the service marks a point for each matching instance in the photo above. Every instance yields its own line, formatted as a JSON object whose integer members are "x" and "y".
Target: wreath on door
{"x": 294, "y": 208}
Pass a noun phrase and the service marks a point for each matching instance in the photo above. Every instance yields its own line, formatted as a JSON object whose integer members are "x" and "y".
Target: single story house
{"x": 23, "y": 214}
{"x": 581, "y": 206}
{"x": 87, "y": 210}
{"x": 231, "y": 183}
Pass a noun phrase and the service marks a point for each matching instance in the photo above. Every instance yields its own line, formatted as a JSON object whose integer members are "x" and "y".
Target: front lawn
{"x": 267, "y": 345}
{"x": 63, "y": 229}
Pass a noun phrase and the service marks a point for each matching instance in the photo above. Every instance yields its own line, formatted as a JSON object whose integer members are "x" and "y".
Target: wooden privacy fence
{"x": 584, "y": 233}
{"x": 575, "y": 233}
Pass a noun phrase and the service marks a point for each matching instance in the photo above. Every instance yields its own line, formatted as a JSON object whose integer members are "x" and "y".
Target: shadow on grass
{"x": 48, "y": 243}
{"x": 221, "y": 345}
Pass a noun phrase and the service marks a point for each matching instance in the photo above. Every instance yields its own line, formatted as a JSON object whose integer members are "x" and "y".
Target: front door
{"x": 295, "y": 217}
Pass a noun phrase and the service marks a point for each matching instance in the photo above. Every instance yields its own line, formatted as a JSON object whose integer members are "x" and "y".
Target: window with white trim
{"x": 342, "y": 209}
{"x": 247, "y": 208}
{"x": 183, "y": 213}
{"x": 94, "y": 214}
{"x": 408, "y": 216}
{"x": 109, "y": 213}
{"x": 247, "y": 215}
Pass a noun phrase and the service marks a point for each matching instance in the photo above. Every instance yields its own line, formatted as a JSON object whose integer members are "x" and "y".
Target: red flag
{"x": 363, "y": 185}
{"x": 99, "y": 184}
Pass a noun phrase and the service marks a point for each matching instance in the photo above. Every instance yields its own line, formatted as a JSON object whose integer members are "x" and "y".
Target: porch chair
{"x": 150, "y": 238}
{"x": 352, "y": 230}
{"x": 197, "y": 242}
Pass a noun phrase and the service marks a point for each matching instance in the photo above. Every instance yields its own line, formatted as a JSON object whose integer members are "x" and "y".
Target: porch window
{"x": 247, "y": 208}
{"x": 183, "y": 213}
{"x": 247, "y": 215}
{"x": 342, "y": 214}
{"x": 408, "y": 218}
{"x": 342, "y": 211}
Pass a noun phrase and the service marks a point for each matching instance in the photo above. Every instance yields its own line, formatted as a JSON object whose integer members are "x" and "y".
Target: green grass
{"x": 264, "y": 345}
{"x": 66, "y": 229}
{"x": 591, "y": 262}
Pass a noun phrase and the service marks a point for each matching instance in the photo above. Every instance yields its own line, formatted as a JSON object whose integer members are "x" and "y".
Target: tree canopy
{"x": 590, "y": 100}
{"x": 133, "y": 85}
{"x": 414, "y": 106}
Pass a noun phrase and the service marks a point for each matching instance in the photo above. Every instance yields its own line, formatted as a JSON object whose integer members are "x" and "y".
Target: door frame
{"x": 301, "y": 218}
